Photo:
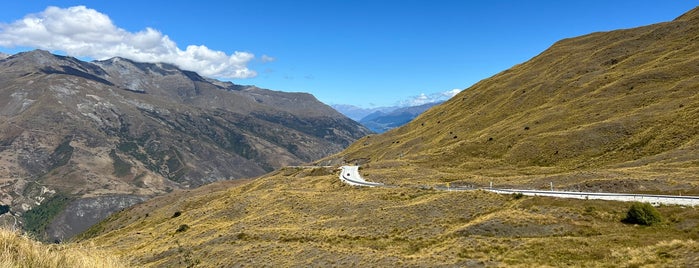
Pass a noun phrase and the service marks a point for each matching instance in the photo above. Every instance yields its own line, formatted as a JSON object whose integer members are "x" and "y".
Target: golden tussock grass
{"x": 17, "y": 250}
{"x": 290, "y": 219}
{"x": 615, "y": 111}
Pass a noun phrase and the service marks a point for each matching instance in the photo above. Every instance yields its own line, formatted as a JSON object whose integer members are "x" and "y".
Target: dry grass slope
{"x": 607, "y": 111}
{"x": 299, "y": 217}
{"x": 20, "y": 251}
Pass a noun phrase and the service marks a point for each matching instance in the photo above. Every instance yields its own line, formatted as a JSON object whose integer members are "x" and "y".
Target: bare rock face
{"x": 123, "y": 128}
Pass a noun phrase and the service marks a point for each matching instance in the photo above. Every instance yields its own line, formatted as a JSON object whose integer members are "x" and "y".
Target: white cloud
{"x": 83, "y": 32}
{"x": 266, "y": 58}
{"x": 434, "y": 97}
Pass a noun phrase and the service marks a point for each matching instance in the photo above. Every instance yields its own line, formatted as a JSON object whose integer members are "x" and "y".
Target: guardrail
{"x": 346, "y": 175}
{"x": 647, "y": 198}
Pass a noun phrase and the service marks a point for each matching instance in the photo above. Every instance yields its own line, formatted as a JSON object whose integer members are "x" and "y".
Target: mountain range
{"x": 609, "y": 111}
{"x": 382, "y": 119}
{"x": 381, "y": 122}
{"x": 79, "y": 140}
{"x": 357, "y": 113}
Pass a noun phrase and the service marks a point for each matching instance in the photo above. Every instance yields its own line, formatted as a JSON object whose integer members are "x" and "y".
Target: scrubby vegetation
{"x": 36, "y": 219}
{"x": 643, "y": 214}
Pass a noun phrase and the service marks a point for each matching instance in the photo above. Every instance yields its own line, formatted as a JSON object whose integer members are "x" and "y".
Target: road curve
{"x": 350, "y": 175}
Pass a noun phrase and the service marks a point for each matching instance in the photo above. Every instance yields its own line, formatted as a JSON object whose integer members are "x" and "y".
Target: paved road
{"x": 350, "y": 175}
{"x": 647, "y": 198}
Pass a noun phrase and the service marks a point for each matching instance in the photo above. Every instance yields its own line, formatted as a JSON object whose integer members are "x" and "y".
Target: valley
{"x": 605, "y": 112}
{"x": 241, "y": 176}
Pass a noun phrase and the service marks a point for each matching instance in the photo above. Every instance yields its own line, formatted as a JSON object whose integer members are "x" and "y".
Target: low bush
{"x": 643, "y": 214}
{"x": 182, "y": 228}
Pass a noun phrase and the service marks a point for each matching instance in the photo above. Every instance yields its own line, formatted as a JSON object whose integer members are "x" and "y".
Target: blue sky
{"x": 364, "y": 53}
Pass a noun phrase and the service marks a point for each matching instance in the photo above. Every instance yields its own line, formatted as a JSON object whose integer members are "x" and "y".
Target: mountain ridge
{"x": 119, "y": 128}
{"x": 356, "y": 113}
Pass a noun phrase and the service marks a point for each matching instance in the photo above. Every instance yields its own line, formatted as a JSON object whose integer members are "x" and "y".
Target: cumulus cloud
{"x": 425, "y": 98}
{"x": 83, "y": 32}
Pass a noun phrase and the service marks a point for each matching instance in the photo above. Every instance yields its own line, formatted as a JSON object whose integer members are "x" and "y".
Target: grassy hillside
{"x": 616, "y": 106}
{"x": 20, "y": 251}
{"x": 307, "y": 217}
{"x": 615, "y": 111}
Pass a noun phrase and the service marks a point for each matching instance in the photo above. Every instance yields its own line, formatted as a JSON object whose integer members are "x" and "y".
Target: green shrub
{"x": 643, "y": 214}
{"x": 182, "y": 228}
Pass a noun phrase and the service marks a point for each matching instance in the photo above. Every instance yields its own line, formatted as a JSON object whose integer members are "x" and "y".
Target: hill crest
{"x": 616, "y": 103}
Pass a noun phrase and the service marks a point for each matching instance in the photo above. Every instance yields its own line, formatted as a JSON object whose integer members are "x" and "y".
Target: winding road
{"x": 350, "y": 175}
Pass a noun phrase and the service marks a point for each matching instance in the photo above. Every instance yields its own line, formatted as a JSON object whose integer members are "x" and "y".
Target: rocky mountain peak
{"x": 42, "y": 58}
{"x": 43, "y": 62}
